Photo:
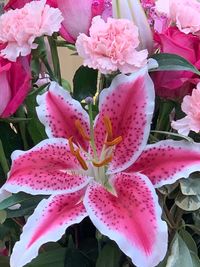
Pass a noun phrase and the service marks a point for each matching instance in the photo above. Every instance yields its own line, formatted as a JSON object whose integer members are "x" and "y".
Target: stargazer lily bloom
{"x": 105, "y": 171}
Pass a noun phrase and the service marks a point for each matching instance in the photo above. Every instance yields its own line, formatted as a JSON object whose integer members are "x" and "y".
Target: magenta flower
{"x": 106, "y": 172}
{"x": 15, "y": 80}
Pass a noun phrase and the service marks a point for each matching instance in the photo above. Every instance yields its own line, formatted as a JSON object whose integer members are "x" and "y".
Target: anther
{"x": 81, "y": 130}
{"x": 108, "y": 126}
{"x": 76, "y": 153}
{"x": 81, "y": 160}
{"x": 103, "y": 162}
{"x": 114, "y": 142}
{"x": 71, "y": 146}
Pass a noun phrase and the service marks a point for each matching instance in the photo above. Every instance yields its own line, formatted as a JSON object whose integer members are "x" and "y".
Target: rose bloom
{"x": 15, "y": 80}
{"x": 19, "y": 28}
{"x": 111, "y": 46}
{"x": 176, "y": 84}
{"x": 184, "y": 13}
{"x": 191, "y": 107}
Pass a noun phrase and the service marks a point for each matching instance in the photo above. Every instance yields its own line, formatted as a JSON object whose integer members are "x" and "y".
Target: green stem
{"x": 3, "y": 160}
{"x": 22, "y": 127}
{"x": 173, "y": 134}
{"x": 92, "y": 130}
{"x": 118, "y": 9}
{"x": 163, "y": 123}
{"x": 48, "y": 67}
{"x": 55, "y": 59}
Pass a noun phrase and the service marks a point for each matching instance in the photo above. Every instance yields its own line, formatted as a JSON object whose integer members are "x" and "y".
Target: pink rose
{"x": 15, "y": 80}
{"x": 77, "y": 16}
{"x": 176, "y": 84}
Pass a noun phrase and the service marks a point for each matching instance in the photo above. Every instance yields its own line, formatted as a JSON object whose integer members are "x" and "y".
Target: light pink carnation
{"x": 111, "y": 46}
{"x": 191, "y": 106}
{"x": 184, "y": 13}
{"x": 20, "y": 27}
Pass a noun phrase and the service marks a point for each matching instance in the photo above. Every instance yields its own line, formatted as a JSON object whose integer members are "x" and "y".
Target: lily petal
{"x": 48, "y": 223}
{"x": 132, "y": 218}
{"x": 167, "y": 161}
{"x": 129, "y": 104}
{"x": 48, "y": 168}
{"x": 58, "y": 111}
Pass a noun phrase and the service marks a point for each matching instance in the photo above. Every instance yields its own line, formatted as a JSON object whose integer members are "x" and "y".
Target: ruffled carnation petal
{"x": 37, "y": 19}
{"x": 111, "y": 46}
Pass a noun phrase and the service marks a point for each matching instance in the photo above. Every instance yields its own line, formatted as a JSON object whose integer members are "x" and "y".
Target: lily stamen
{"x": 81, "y": 160}
{"x": 114, "y": 142}
{"x": 71, "y": 146}
{"x": 108, "y": 126}
{"x": 81, "y": 130}
{"x": 103, "y": 162}
{"x": 77, "y": 154}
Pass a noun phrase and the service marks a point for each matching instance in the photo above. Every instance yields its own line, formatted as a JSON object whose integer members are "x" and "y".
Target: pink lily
{"x": 106, "y": 172}
{"x": 15, "y": 80}
{"x": 77, "y": 16}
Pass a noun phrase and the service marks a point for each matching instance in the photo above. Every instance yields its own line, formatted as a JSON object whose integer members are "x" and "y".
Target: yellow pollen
{"x": 76, "y": 153}
{"x": 108, "y": 126}
{"x": 103, "y": 162}
{"x": 114, "y": 142}
{"x": 81, "y": 130}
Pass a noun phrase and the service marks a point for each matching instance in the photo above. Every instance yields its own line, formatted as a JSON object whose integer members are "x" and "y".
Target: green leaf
{"x": 85, "y": 83}
{"x": 188, "y": 203}
{"x": 27, "y": 207}
{"x": 186, "y": 236}
{"x": 180, "y": 254}
{"x": 10, "y": 138}
{"x": 35, "y": 127}
{"x": 110, "y": 256}
{"x": 190, "y": 186}
{"x": 3, "y": 216}
{"x": 49, "y": 259}
{"x": 195, "y": 259}
{"x": 18, "y": 198}
{"x": 76, "y": 258}
{"x": 173, "y": 62}
{"x": 4, "y": 261}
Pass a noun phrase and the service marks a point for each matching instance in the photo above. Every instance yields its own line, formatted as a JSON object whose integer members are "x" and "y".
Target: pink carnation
{"x": 111, "y": 46}
{"x": 20, "y": 27}
{"x": 191, "y": 106}
{"x": 184, "y": 13}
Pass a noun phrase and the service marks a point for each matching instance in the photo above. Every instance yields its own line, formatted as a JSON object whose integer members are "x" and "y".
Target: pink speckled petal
{"x": 167, "y": 161}
{"x": 48, "y": 223}
{"x": 48, "y": 168}
{"x": 58, "y": 111}
{"x": 132, "y": 218}
{"x": 129, "y": 103}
